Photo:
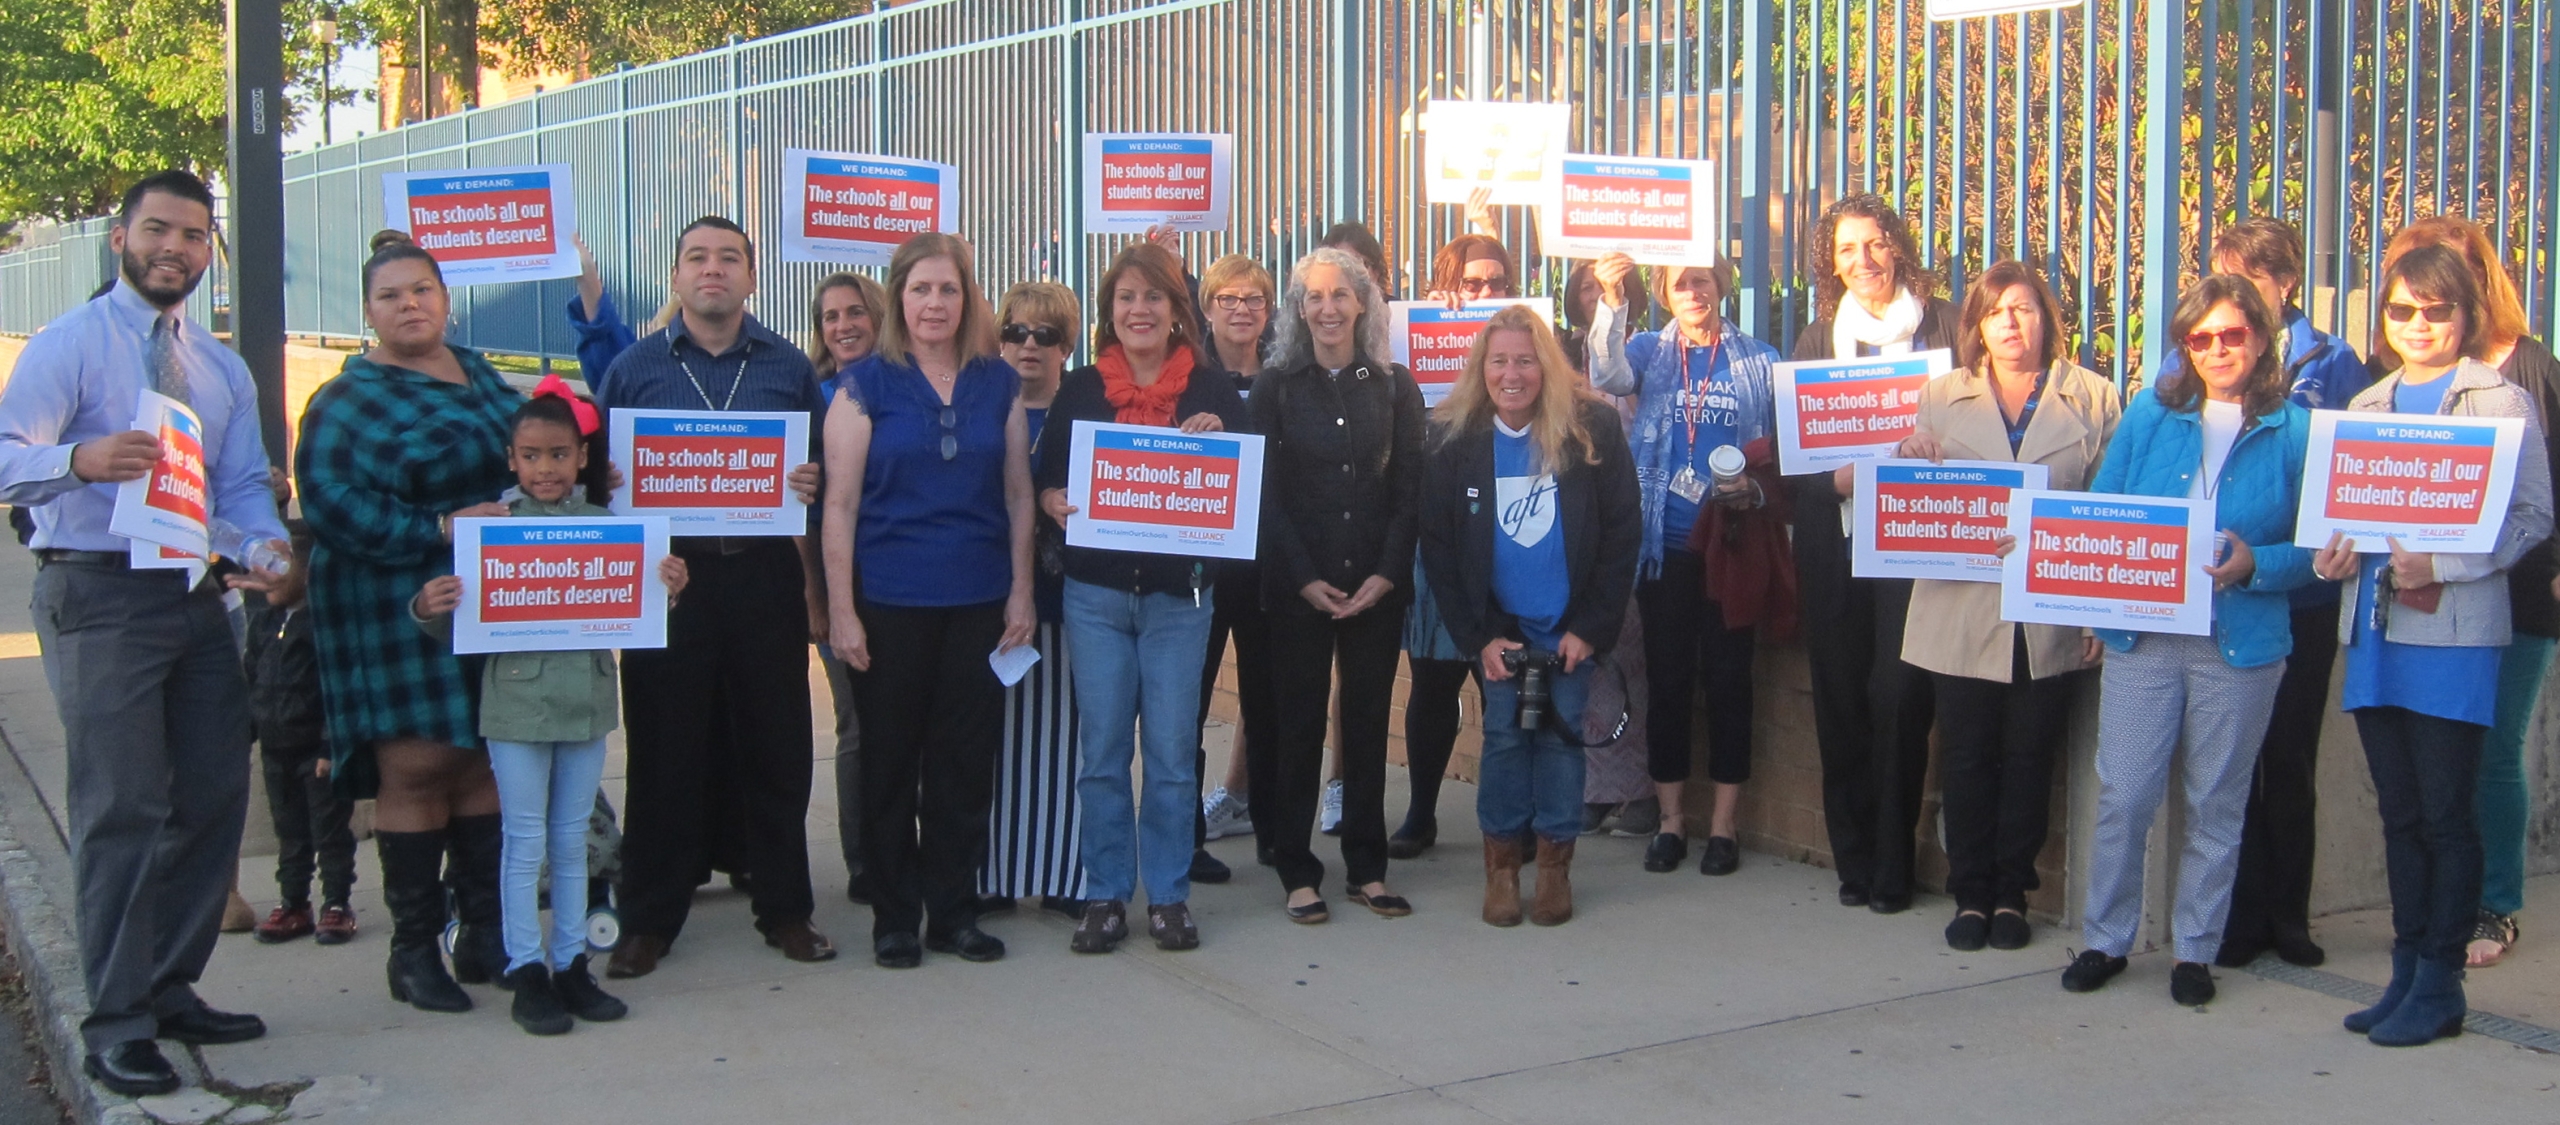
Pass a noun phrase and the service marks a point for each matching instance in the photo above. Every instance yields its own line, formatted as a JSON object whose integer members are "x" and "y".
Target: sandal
{"x": 1387, "y": 906}
{"x": 2491, "y": 937}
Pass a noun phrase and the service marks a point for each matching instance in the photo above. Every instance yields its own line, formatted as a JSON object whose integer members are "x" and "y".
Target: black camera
{"x": 1530, "y": 666}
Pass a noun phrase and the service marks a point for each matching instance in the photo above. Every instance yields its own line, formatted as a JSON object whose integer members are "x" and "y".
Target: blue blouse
{"x": 933, "y": 530}
{"x": 2453, "y": 682}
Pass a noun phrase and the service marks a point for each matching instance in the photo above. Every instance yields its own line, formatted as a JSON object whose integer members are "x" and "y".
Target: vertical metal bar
{"x": 2088, "y": 21}
{"x": 2471, "y": 122}
{"x": 1838, "y": 118}
{"x": 2280, "y": 173}
{"x": 2052, "y": 150}
{"x": 1867, "y": 105}
{"x": 2504, "y": 138}
{"x": 2244, "y": 117}
{"x": 2209, "y": 117}
{"x": 1071, "y": 130}
{"x": 1756, "y": 77}
{"x": 1929, "y": 140}
{"x": 2163, "y": 111}
{"x": 2124, "y": 189}
{"x": 1956, "y": 160}
{"x": 2444, "y": 97}
{"x": 2540, "y": 176}
{"x": 1990, "y": 140}
{"x": 1902, "y": 101}
{"x": 2021, "y": 109}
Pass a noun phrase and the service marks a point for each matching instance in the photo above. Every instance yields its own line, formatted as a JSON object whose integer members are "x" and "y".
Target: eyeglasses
{"x": 950, "y": 433}
{"x": 1229, "y": 302}
{"x": 1047, "y": 336}
{"x": 2439, "y": 313}
{"x": 2234, "y": 337}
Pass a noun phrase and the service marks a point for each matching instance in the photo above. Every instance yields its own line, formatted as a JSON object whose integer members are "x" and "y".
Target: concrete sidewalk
{"x": 1670, "y": 997}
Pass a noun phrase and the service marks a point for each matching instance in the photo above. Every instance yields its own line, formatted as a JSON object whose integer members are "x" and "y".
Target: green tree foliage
{"x": 596, "y": 35}
{"x": 95, "y": 94}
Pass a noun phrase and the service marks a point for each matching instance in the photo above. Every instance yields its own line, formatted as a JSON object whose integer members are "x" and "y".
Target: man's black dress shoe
{"x": 134, "y": 1068}
{"x": 968, "y": 943}
{"x": 896, "y": 951}
{"x": 1206, "y": 868}
{"x": 204, "y": 1026}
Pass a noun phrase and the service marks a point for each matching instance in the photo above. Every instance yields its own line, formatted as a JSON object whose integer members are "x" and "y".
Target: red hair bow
{"x": 584, "y": 411}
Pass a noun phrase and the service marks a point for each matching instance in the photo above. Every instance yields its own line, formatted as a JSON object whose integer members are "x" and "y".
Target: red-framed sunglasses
{"x": 2234, "y": 337}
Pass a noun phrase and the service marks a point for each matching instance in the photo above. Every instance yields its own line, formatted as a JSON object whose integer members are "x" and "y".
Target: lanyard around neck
{"x": 734, "y": 384}
{"x": 1697, "y": 390}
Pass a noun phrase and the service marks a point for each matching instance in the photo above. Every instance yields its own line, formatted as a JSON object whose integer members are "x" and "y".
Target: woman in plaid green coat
{"x": 409, "y": 435}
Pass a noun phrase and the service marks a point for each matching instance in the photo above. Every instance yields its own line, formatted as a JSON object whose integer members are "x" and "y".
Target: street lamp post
{"x": 325, "y": 30}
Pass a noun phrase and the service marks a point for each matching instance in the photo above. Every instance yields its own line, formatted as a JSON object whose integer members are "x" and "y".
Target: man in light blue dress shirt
{"x": 154, "y": 709}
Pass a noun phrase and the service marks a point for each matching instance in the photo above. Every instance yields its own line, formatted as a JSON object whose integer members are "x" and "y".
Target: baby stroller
{"x": 604, "y": 868}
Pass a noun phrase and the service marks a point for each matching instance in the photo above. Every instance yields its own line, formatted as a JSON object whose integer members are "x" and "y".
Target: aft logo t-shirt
{"x": 1529, "y": 580}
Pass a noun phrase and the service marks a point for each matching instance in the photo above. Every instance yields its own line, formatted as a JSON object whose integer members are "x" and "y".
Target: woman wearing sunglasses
{"x": 2219, "y": 428}
{"x": 1137, "y": 621}
{"x": 2424, "y": 635}
{"x": 2505, "y": 808}
{"x": 1031, "y": 831}
{"x": 928, "y": 560}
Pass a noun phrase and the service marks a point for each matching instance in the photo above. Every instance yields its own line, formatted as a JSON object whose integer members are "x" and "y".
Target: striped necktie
{"x": 167, "y": 377}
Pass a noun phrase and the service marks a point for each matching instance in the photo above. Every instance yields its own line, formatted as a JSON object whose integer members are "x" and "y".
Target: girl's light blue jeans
{"x": 546, "y": 791}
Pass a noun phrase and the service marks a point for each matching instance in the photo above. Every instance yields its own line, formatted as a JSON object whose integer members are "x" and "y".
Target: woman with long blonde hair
{"x": 1530, "y": 517}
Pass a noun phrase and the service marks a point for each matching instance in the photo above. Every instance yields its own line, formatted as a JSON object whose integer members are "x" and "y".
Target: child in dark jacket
{"x": 311, "y": 819}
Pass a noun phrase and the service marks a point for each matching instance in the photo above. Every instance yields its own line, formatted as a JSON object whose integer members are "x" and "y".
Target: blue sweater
{"x": 2157, "y": 451}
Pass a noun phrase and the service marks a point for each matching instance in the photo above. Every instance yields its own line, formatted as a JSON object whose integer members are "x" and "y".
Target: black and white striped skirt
{"x": 1032, "y": 843}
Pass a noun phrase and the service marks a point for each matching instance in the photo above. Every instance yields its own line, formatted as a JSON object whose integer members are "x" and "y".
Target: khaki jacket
{"x": 1954, "y": 628}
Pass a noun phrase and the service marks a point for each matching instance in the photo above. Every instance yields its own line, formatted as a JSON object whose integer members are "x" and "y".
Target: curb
{"x": 40, "y": 934}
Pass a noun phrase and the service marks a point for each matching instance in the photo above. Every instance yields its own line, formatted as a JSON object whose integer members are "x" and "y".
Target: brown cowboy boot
{"x": 1501, "y": 881}
{"x": 1554, "y": 905}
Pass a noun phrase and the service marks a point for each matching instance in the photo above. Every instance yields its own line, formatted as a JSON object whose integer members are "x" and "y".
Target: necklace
{"x": 734, "y": 384}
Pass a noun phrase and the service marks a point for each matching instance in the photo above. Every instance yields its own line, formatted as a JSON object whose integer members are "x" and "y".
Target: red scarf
{"x": 1150, "y": 405}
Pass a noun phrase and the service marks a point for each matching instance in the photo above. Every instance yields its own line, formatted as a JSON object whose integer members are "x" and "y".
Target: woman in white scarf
{"x": 1871, "y": 711}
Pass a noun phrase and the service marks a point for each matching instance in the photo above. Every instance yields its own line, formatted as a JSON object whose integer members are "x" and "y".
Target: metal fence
{"x": 2104, "y": 143}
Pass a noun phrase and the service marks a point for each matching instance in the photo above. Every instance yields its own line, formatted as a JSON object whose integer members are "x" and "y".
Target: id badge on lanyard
{"x": 1692, "y": 401}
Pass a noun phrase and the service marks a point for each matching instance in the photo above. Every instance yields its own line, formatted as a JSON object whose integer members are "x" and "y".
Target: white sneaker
{"x": 1329, "y": 818}
{"x": 1226, "y": 813}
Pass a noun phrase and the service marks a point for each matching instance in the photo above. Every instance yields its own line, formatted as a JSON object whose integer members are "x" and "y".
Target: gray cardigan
{"x": 2473, "y": 612}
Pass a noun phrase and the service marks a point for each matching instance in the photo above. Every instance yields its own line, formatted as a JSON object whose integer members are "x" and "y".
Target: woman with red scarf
{"x": 1136, "y": 622}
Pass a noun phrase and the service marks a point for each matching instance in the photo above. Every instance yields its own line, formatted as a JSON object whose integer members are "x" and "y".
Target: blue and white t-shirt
{"x": 1529, "y": 580}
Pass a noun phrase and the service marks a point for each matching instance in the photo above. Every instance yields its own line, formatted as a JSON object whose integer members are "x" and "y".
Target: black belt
{"x": 117, "y": 559}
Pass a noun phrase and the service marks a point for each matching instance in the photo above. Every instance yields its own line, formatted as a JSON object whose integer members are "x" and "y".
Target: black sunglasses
{"x": 1045, "y": 335}
{"x": 2440, "y": 312}
{"x": 950, "y": 434}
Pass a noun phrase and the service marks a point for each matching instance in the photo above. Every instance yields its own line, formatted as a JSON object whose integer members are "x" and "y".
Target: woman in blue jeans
{"x": 1137, "y": 622}
{"x": 2424, "y": 634}
{"x": 1530, "y": 524}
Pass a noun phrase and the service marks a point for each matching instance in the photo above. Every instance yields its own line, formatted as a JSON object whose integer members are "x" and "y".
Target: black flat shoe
{"x": 1666, "y": 852}
{"x": 1721, "y": 856}
{"x": 2091, "y": 971}
{"x": 1888, "y": 904}
{"x": 2237, "y": 954}
{"x": 1970, "y": 931}
{"x": 1853, "y": 896}
{"x": 134, "y": 1068}
{"x": 203, "y": 1026}
{"x": 2191, "y": 984}
{"x": 968, "y": 943}
{"x": 2297, "y": 948}
{"x": 1206, "y": 868}
{"x": 2009, "y": 930}
{"x": 896, "y": 951}
{"x": 1386, "y": 906}
{"x": 1310, "y": 914}
{"x": 1412, "y": 840}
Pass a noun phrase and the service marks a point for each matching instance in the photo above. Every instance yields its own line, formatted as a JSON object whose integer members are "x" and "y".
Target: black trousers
{"x": 932, "y": 716}
{"x": 1685, "y": 634}
{"x": 1431, "y": 728}
{"x": 1306, "y": 648}
{"x": 2271, "y": 892}
{"x": 311, "y": 825}
{"x": 727, "y": 698}
{"x": 2426, "y": 776}
{"x": 1999, "y": 741}
{"x": 1239, "y": 614}
{"x": 1871, "y": 715}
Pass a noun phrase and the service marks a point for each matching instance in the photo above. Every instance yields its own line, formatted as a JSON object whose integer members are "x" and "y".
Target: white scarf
{"x": 1889, "y": 334}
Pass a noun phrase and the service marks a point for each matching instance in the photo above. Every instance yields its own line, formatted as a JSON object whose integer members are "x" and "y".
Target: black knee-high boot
{"x": 414, "y": 895}
{"x": 480, "y": 946}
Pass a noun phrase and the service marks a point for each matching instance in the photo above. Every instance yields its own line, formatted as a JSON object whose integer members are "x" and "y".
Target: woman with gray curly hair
{"x": 1341, "y": 463}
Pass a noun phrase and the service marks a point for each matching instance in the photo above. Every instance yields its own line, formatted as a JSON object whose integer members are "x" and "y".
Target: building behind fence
{"x": 2103, "y": 143}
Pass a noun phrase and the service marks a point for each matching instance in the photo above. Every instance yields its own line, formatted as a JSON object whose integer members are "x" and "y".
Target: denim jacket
{"x": 2158, "y": 451}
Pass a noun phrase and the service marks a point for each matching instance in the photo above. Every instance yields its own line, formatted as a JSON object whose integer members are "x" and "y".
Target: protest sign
{"x": 486, "y": 225}
{"x": 167, "y": 506}
{"x": 2106, "y": 561}
{"x": 859, "y": 208}
{"x": 1504, "y": 147}
{"x": 1835, "y": 411}
{"x": 1432, "y": 340}
{"x": 532, "y": 584}
{"x": 2433, "y": 482}
{"x": 711, "y": 472}
{"x": 1658, "y": 212}
{"x": 1915, "y": 519}
{"x": 1133, "y": 181}
{"x": 1146, "y": 488}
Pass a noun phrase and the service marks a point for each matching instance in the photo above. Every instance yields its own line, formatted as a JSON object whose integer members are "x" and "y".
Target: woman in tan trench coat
{"x": 2004, "y": 691}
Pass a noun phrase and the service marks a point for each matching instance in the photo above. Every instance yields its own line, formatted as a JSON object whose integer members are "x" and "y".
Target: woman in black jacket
{"x": 1871, "y": 711}
{"x": 1342, "y": 460}
{"x": 1136, "y": 621}
{"x": 1530, "y": 525}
